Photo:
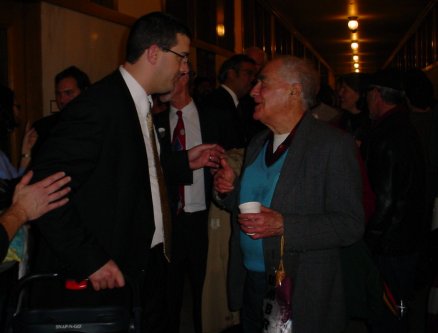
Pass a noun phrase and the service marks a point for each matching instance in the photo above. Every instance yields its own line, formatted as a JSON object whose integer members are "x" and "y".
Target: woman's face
{"x": 348, "y": 97}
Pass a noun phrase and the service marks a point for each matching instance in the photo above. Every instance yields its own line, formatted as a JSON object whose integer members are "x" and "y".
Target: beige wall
{"x": 94, "y": 45}
{"x": 71, "y": 38}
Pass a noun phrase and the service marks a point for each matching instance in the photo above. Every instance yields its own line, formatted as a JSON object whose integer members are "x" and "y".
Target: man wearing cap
{"x": 395, "y": 232}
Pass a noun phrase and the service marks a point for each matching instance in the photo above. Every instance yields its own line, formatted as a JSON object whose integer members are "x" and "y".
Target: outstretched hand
{"x": 205, "y": 155}
{"x": 37, "y": 199}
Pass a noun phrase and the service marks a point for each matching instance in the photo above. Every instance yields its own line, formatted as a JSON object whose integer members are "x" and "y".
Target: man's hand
{"x": 39, "y": 198}
{"x": 108, "y": 276}
{"x": 205, "y": 155}
{"x": 224, "y": 178}
{"x": 267, "y": 223}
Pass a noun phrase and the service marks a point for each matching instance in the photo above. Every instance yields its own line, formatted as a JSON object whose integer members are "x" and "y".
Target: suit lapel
{"x": 294, "y": 159}
{"x": 162, "y": 126}
{"x": 132, "y": 125}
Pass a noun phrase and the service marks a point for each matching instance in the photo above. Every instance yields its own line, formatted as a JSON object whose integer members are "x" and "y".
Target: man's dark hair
{"x": 82, "y": 79}
{"x": 232, "y": 63}
{"x": 154, "y": 28}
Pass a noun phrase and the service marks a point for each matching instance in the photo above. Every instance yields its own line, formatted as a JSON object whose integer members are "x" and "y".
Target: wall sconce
{"x": 356, "y": 65}
{"x": 220, "y": 30}
{"x": 353, "y": 24}
{"x": 355, "y": 58}
{"x": 354, "y": 45}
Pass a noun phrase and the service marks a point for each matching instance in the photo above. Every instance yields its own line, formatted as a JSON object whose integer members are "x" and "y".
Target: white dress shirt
{"x": 143, "y": 103}
{"x": 194, "y": 195}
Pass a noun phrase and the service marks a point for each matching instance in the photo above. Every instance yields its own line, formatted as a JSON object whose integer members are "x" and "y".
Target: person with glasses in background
{"x": 183, "y": 127}
{"x": 223, "y": 108}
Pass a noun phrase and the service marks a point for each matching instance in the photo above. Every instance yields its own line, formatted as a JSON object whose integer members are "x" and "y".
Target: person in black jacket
{"x": 222, "y": 106}
{"x": 117, "y": 219}
{"x": 395, "y": 165}
{"x": 69, "y": 84}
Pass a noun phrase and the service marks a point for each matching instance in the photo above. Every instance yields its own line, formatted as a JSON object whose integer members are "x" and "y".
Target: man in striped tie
{"x": 183, "y": 127}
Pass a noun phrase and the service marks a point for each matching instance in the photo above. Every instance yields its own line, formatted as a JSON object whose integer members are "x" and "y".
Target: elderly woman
{"x": 307, "y": 178}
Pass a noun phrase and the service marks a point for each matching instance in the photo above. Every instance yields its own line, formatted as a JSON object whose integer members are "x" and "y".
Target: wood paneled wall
{"x": 68, "y": 38}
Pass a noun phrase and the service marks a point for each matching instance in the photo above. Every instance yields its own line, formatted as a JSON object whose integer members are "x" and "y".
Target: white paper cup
{"x": 250, "y": 207}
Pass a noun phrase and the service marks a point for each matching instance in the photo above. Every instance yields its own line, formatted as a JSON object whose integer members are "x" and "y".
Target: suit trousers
{"x": 251, "y": 314}
{"x": 189, "y": 257}
{"x": 154, "y": 300}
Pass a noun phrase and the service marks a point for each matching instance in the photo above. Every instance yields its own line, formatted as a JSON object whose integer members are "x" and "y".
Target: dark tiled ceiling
{"x": 323, "y": 23}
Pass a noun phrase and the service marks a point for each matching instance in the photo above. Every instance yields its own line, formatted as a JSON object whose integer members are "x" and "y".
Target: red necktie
{"x": 178, "y": 144}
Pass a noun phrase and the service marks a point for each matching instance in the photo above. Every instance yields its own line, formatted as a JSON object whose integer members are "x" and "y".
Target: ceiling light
{"x": 356, "y": 65}
{"x": 354, "y": 45}
{"x": 353, "y": 24}
{"x": 220, "y": 30}
{"x": 357, "y": 70}
{"x": 356, "y": 58}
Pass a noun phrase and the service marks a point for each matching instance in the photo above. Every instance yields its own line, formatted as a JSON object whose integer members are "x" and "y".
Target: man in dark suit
{"x": 306, "y": 176}
{"x": 183, "y": 125}
{"x": 69, "y": 84}
{"x": 236, "y": 77}
{"x": 116, "y": 220}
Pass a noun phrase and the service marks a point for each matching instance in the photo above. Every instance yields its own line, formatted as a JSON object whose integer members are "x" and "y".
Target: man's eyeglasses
{"x": 184, "y": 57}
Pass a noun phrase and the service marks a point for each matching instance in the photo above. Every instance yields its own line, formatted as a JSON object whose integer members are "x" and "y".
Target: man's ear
{"x": 152, "y": 53}
{"x": 296, "y": 89}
